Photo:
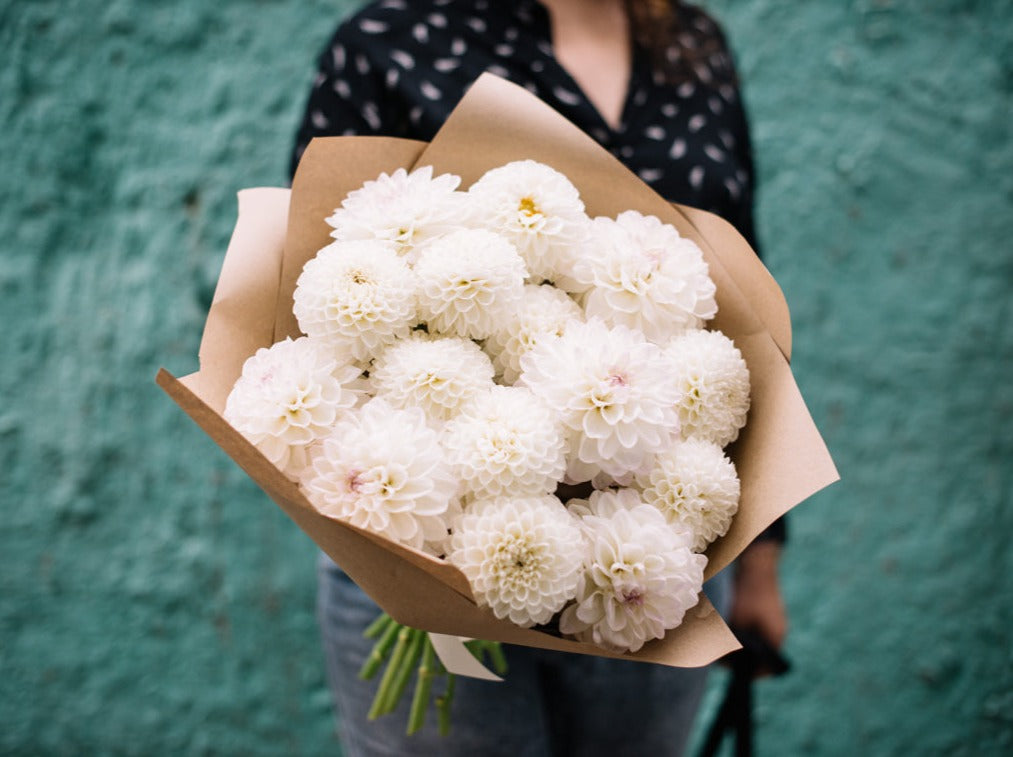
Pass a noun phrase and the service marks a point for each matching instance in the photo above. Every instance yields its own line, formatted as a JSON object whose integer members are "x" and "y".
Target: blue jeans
{"x": 551, "y": 703}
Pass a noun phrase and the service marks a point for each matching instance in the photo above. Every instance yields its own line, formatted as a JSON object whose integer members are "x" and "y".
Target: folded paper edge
{"x": 457, "y": 659}
{"x": 764, "y": 292}
{"x": 236, "y": 316}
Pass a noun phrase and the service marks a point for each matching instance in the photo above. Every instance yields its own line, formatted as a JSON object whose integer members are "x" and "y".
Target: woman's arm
{"x": 758, "y": 604}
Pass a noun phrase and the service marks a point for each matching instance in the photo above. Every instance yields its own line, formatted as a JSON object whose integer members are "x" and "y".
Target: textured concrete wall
{"x": 153, "y": 602}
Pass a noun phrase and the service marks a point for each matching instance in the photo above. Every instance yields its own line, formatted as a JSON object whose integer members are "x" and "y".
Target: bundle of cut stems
{"x": 407, "y": 650}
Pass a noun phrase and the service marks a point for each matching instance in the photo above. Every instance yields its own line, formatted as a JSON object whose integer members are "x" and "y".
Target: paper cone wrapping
{"x": 780, "y": 456}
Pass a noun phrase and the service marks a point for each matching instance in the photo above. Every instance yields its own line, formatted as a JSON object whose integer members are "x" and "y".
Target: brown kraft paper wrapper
{"x": 780, "y": 457}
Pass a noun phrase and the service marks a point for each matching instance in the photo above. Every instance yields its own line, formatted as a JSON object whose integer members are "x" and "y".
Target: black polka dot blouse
{"x": 398, "y": 67}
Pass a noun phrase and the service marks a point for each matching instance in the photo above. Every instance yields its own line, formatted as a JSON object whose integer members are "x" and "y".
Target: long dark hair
{"x": 684, "y": 43}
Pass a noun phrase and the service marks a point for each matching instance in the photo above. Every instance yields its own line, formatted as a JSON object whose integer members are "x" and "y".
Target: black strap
{"x": 736, "y": 712}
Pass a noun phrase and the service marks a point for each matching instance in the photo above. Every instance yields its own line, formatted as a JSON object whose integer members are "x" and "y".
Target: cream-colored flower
{"x": 470, "y": 280}
{"x": 505, "y": 442}
{"x": 437, "y": 374}
{"x": 384, "y": 470}
{"x": 640, "y": 273}
{"x": 695, "y": 487}
{"x": 405, "y": 210}
{"x": 639, "y": 578}
{"x": 712, "y": 381}
{"x": 542, "y": 313}
{"x": 358, "y": 295}
{"x": 538, "y": 209}
{"x": 290, "y": 394}
{"x": 522, "y": 556}
{"x": 604, "y": 503}
{"x": 611, "y": 391}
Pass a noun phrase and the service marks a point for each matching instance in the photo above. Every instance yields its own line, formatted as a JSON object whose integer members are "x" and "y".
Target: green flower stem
{"x": 379, "y": 706}
{"x": 378, "y": 626}
{"x": 499, "y": 663}
{"x": 423, "y": 687}
{"x": 443, "y": 705}
{"x": 404, "y": 672}
{"x": 379, "y": 651}
{"x": 489, "y": 651}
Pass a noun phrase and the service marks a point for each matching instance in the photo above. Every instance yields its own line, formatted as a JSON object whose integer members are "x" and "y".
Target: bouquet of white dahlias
{"x": 519, "y": 408}
{"x": 512, "y": 346}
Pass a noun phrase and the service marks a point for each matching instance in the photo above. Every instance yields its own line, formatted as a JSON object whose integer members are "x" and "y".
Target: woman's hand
{"x": 758, "y": 604}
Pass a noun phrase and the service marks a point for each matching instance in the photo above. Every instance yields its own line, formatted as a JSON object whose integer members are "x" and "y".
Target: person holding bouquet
{"x": 653, "y": 82}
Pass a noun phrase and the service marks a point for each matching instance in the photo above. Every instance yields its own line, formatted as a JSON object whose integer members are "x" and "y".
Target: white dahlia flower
{"x": 522, "y": 556}
{"x": 610, "y": 387}
{"x": 639, "y": 578}
{"x": 383, "y": 469}
{"x": 542, "y": 313}
{"x": 437, "y": 374}
{"x": 640, "y": 273}
{"x": 712, "y": 382}
{"x": 505, "y": 441}
{"x": 469, "y": 281}
{"x": 604, "y": 503}
{"x": 403, "y": 209}
{"x": 357, "y": 295}
{"x": 289, "y": 395}
{"x": 538, "y": 209}
{"x": 695, "y": 487}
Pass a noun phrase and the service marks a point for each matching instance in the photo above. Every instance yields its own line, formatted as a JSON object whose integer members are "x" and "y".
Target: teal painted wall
{"x": 152, "y": 601}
